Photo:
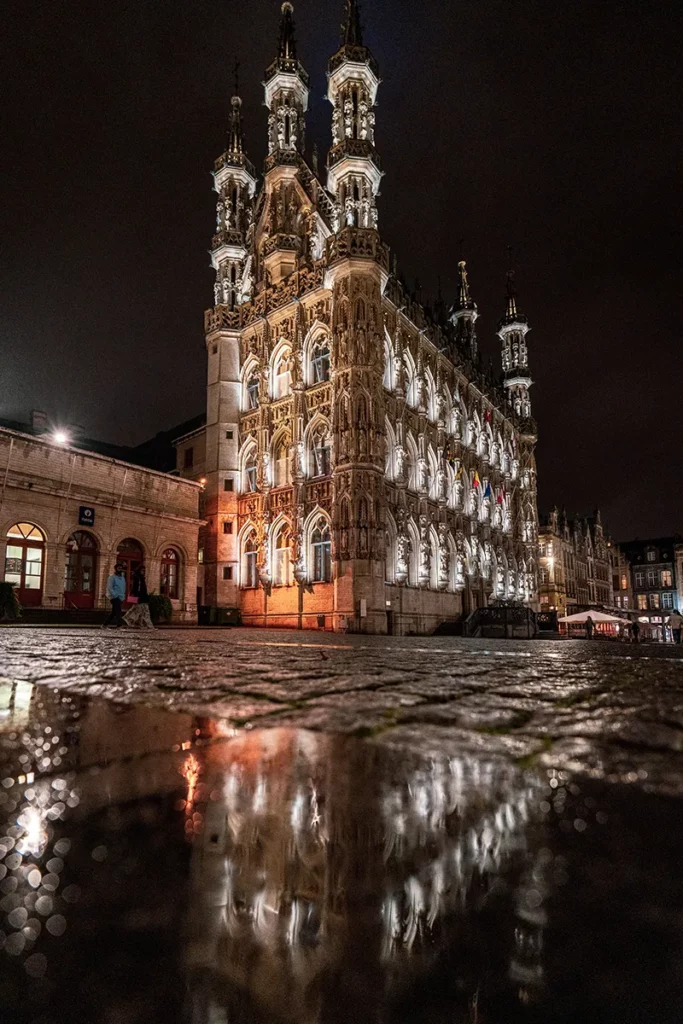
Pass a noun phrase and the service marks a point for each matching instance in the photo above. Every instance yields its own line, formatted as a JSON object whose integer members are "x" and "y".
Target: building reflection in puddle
{"x": 330, "y": 877}
{"x": 161, "y": 866}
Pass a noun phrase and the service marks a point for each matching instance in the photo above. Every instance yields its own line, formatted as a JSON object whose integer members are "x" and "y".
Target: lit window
{"x": 666, "y": 578}
{"x": 250, "y": 578}
{"x": 200, "y": 555}
{"x": 282, "y": 384}
{"x": 170, "y": 565}
{"x": 283, "y": 560}
{"x": 281, "y": 476}
{"x": 652, "y": 555}
{"x": 321, "y": 549}
{"x": 642, "y": 601}
{"x": 652, "y": 577}
{"x": 654, "y": 600}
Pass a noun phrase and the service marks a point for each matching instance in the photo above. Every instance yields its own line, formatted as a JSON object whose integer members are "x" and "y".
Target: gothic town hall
{"x": 363, "y": 471}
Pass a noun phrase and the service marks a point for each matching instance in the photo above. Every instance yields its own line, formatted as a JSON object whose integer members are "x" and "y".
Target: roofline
{"x": 185, "y": 437}
{"x": 36, "y": 439}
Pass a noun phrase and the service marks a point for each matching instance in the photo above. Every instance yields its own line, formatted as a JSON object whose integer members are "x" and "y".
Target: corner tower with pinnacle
{"x": 364, "y": 472}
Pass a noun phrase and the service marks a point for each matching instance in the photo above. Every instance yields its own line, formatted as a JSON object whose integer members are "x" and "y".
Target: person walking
{"x": 635, "y": 631}
{"x": 116, "y": 592}
{"x": 590, "y": 628}
{"x": 675, "y": 622}
{"x": 138, "y": 616}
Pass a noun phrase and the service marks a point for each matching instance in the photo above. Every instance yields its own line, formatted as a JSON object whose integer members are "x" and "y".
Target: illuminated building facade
{"x": 575, "y": 564}
{"x": 362, "y": 470}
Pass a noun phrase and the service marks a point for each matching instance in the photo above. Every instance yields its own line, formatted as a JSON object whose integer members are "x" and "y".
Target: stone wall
{"x": 46, "y": 485}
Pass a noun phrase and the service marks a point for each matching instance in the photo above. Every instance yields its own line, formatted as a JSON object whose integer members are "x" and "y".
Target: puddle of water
{"x": 165, "y": 867}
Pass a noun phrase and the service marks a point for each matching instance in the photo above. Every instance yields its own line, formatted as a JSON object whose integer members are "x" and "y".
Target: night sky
{"x": 552, "y": 127}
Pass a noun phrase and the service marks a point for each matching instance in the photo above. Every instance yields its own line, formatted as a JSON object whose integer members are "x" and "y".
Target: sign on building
{"x": 86, "y": 516}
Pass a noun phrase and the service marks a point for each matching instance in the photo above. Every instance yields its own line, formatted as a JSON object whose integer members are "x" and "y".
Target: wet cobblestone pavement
{"x": 259, "y": 827}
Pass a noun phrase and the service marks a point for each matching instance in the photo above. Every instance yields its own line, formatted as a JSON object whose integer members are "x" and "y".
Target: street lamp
{"x": 60, "y": 437}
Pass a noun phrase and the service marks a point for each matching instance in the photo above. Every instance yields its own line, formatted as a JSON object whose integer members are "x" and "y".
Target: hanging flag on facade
{"x": 487, "y": 490}
{"x": 500, "y": 496}
{"x": 476, "y": 482}
{"x": 487, "y": 416}
{"x": 459, "y": 473}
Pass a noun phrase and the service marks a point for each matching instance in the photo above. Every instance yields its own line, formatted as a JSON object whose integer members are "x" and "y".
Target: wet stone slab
{"x": 273, "y": 828}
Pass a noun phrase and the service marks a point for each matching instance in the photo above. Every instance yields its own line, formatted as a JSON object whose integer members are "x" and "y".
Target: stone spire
{"x": 287, "y": 45}
{"x": 286, "y": 86}
{"x": 464, "y": 315}
{"x": 235, "y": 182}
{"x": 235, "y": 138}
{"x": 512, "y": 332}
{"x": 354, "y": 172}
{"x": 352, "y": 32}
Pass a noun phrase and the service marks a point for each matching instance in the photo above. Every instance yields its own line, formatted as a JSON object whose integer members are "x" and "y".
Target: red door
{"x": 24, "y": 563}
{"x": 131, "y": 555}
{"x": 80, "y": 570}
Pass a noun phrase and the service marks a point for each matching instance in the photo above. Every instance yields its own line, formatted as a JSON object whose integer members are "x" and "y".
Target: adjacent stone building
{"x": 575, "y": 564}
{"x": 362, "y": 469}
{"x": 655, "y": 580}
{"x": 67, "y": 515}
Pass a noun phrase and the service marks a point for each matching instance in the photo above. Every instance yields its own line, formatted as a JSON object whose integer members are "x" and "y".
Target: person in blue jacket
{"x": 116, "y": 592}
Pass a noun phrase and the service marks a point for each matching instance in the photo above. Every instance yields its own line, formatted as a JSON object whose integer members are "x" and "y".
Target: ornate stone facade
{"x": 363, "y": 471}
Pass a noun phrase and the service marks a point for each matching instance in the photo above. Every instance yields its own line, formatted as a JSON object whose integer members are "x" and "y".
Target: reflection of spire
{"x": 287, "y": 45}
{"x": 352, "y": 33}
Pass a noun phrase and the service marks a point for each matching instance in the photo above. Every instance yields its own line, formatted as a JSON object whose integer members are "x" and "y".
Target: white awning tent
{"x": 579, "y": 618}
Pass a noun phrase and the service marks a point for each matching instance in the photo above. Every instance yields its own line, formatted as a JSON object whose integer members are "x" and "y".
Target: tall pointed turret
{"x": 354, "y": 173}
{"x": 512, "y": 332}
{"x": 235, "y": 182}
{"x": 464, "y": 315}
{"x": 353, "y": 33}
{"x": 286, "y": 86}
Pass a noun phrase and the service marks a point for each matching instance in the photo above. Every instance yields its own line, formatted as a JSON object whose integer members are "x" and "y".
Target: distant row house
{"x": 575, "y": 564}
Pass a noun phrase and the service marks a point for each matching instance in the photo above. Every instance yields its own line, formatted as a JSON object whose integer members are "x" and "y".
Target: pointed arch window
{"x": 320, "y": 361}
{"x": 252, "y": 393}
{"x": 282, "y": 472}
{"x": 283, "y": 557}
{"x": 321, "y": 454}
{"x": 250, "y": 472}
{"x": 282, "y": 378}
{"x": 249, "y": 558}
{"x": 321, "y": 551}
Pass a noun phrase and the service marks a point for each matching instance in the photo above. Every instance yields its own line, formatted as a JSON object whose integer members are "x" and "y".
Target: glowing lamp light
{"x": 60, "y": 437}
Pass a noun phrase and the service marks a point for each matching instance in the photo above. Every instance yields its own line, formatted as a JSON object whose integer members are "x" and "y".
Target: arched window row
{"x": 431, "y": 564}
{"x": 25, "y": 565}
{"x": 317, "y": 369}
{"x": 317, "y": 553}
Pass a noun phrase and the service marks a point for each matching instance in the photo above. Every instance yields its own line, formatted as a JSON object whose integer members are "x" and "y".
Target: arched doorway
{"x": 80, "y": 571}
{"x": 25, "y": 561}
{"x": 131, "y": 555}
